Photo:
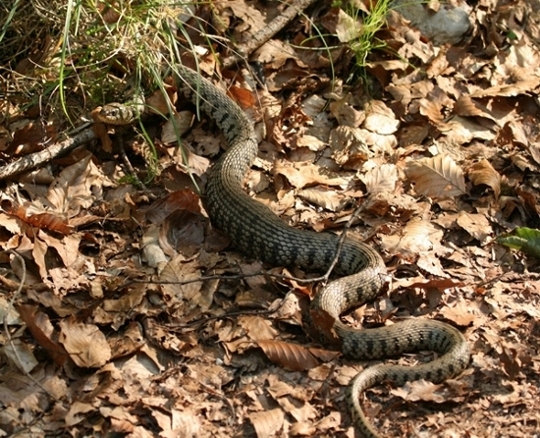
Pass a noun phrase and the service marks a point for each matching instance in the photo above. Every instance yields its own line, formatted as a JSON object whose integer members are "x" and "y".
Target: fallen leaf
{"x": 85, "y": 343}
{"x": 437, "y": 177}
{"x": 484, "y": 173}
{"x": 290, "y": 356}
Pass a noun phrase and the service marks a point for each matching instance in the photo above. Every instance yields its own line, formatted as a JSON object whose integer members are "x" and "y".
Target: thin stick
{"x": 267, "y": 32}
{"x": 33, "y": 160}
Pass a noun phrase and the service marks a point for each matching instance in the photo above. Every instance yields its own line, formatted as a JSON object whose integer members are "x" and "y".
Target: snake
{"x": 361, "y": 272}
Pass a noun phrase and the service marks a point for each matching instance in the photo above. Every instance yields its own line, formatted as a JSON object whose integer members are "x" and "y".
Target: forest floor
{"x": 136, "y": 318}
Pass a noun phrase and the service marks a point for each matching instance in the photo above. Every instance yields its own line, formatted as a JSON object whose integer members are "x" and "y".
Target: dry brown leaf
{"x": 430, "y": 263}
{"x": 381, "y": 179}
{"x": 75, "y": 187}
{"x": 250, "y": 15}
{"x": 258, "y": 328}
{"x": 417, "y": 237}
{"x": 462, "y": 130}
{"x": 20, "y": 354}
{"x": 301, "y": 411}
{"x": 244, "y": 98}
{"x": 274, "y": 52}
{"x": 176, "y": 126}
{"x": 158, "y": 103}
{"x": 484, "y": 173}
{"x": 31, "y": 138}
{"x": 39, "y": 325}
{"x": 67, "y": 247}
{"x": 525, "y": 86}
{"x": 85, "y": 343}
{"x": 467, "y": 107}
{"x": 178, "y": 200}
{"x": 534, "y": 150}
{"x": 345, "y": 113}
{"x": 436, "y": 177}
{"x": 47, "y": 221}
{"x": 328, "y": 199}
{"x": 476, "y": 225}
{"x": 128, "y": 342}
{"x": 348, "y": 144}
{"x": 188, "y": 295}
{"x": 346, "y": 27}
{"x": 184, "y": 231}
{"x": 304, "y": 174}
{"x": 420, "y": 390}
{"x": 460, "y": 314}
{"x": 380, "y": 119}
{"x": 436, "y": 283}
{"x": 267, "y": 423}
{"x": 290, "y": 356}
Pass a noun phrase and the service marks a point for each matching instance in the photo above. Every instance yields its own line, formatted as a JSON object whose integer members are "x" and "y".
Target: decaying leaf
{"x": 327, "y": 199}
{"x": 380, "y": 119}
{"x": 75, "y": 187}
{"x": 418, "y": 237}
{"x": 47, "y": 221}
{"x": 39, "y": 325}
{"x": 420, "y": 390}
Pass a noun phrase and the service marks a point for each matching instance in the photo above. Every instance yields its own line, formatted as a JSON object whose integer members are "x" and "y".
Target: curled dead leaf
{"x": 484, "y": 173}
{"x": 476, "y": 225}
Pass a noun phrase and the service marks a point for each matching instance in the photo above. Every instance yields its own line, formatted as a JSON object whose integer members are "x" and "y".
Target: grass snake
{"x": 257, "y": 232}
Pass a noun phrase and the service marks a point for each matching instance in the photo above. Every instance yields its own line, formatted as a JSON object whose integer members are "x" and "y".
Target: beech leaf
{"x": 437, "y": 177}
{"x": 290, "y": 356}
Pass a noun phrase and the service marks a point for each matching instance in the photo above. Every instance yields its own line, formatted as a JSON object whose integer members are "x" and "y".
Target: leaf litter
{"x": 444, "y": 160}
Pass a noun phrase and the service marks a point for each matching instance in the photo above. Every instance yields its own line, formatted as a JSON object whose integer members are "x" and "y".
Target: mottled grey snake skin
{"x": 256, "y": 231}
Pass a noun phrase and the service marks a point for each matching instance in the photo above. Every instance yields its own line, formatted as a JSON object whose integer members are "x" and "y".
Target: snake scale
{"x": 257, "y": 232}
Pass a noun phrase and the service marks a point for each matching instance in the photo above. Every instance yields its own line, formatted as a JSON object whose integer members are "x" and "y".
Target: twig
{"x": 33, "y": 160}
{"x": 339, "y": 245}
{"x": 267, "y": 32}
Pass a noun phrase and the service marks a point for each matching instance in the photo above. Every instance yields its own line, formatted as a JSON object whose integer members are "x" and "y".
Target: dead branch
{"x": 33, "y": 160}
{"x": 267, "y": 32}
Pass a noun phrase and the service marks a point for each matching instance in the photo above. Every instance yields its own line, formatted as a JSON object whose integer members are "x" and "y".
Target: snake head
{"x": 118, "y": 114}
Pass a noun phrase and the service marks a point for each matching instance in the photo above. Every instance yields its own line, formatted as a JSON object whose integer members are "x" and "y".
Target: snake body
{"x": 256, "y": 231}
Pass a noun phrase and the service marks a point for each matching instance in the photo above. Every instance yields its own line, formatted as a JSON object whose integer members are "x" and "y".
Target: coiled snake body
{"x": 256, "y": 231}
